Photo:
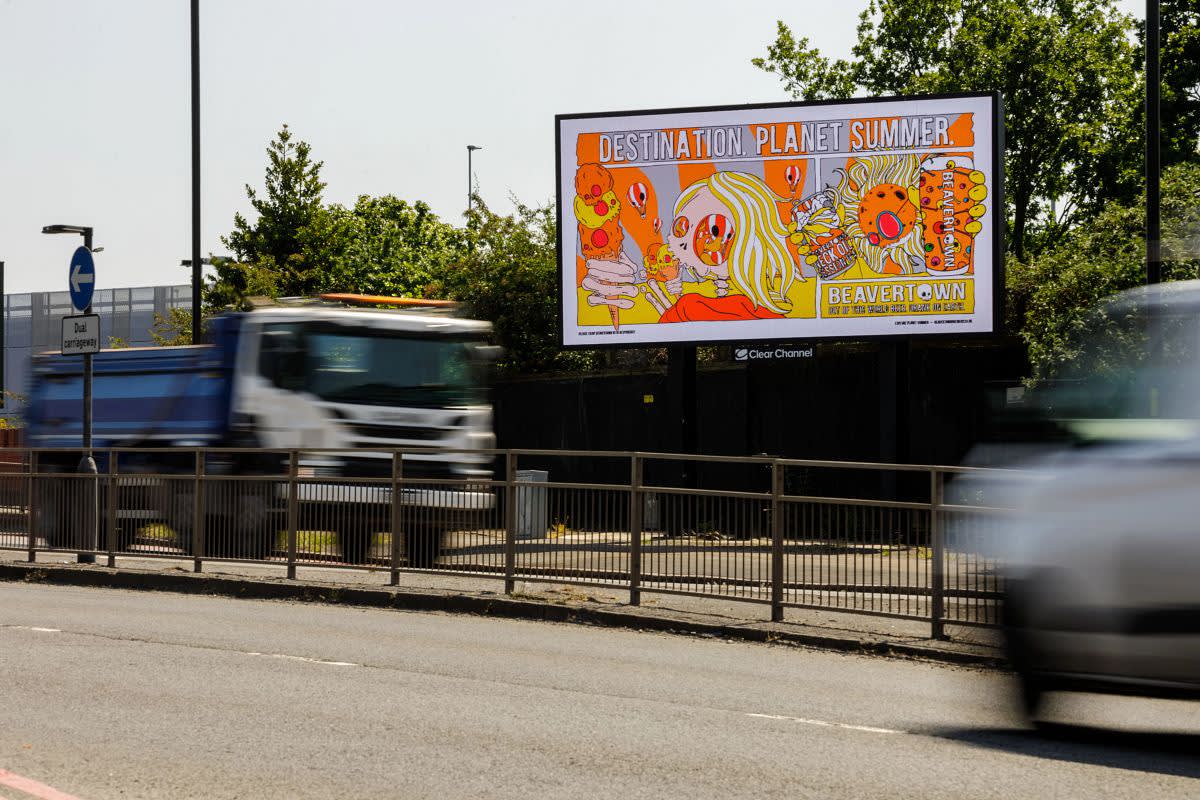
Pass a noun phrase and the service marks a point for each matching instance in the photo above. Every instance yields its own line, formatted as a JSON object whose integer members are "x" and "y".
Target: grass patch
{"x": 324, "y": 541}
{"x": 156, "y": 532}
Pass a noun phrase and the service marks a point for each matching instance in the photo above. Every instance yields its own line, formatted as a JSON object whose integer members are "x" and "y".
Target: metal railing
{"x": 853, "y": 537}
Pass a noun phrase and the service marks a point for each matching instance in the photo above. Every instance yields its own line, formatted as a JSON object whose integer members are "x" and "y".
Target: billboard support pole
{"x": 681, "y": 377}
{"x": 681, "y": 373}
{"x": 893, "y": 409}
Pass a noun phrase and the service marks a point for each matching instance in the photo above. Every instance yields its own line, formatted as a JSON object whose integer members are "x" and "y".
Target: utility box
{"x": 650, "y": 512}
{"x": 532, "y": 514}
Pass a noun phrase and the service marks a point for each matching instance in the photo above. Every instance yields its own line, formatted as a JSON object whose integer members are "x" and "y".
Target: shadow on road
{"x": 1162, "y": 753}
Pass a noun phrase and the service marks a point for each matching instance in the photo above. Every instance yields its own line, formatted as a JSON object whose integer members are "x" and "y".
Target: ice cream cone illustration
{"x": 598, "y": 212}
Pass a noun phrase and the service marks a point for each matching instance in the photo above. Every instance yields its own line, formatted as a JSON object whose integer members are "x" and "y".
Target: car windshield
{"x": 380, "y": 368}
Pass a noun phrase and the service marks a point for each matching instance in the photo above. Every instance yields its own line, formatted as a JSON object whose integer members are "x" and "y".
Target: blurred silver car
{"x": 1102, "y": 566}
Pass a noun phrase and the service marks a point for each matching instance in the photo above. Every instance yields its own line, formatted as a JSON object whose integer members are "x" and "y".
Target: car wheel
{"x": 1031, "y": 688}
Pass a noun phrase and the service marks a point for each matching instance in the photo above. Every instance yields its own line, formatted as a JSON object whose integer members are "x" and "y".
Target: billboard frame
{"x": 998, "y": 245}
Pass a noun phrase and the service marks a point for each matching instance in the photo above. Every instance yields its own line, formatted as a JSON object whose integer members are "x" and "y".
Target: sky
{"x": 95, "y": 104}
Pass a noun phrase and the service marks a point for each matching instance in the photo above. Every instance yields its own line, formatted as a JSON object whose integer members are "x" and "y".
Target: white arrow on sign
{"x": 77, "y": 277}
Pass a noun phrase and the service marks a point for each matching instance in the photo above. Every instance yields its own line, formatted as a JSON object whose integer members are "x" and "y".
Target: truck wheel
{"x": 264, "y": 545}
{"x": 177, "y": 503}
{"x": 251, "y": 522}
{"x": 355, "y": 542}
{"x": 126, "y": 535}
{"x": 47, "y": 506}
{"x": 422, "y": 545}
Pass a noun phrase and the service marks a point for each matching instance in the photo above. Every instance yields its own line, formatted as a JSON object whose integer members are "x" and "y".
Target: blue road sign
{"x": 81, "y": 279}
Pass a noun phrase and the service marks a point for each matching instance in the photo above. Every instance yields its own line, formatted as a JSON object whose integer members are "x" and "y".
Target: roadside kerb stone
{"x": 488, "y": 604}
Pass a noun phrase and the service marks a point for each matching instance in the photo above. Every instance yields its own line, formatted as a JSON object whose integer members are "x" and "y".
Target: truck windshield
{"x": 378, "y": 368}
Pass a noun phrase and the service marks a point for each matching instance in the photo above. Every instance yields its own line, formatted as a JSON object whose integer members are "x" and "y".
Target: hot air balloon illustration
{"x": 637, "y": 196}
{"x": 792, "y": 176}
{"x": 657, "y": 224}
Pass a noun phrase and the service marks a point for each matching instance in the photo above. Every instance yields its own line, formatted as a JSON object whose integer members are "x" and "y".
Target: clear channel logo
{"x": 771, "y": 353}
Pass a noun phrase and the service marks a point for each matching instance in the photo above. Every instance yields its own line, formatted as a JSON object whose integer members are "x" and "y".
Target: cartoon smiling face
{"x": 886, "y": 214}
{"x": 702, "y": 235}
{"x": 660, "y": 264}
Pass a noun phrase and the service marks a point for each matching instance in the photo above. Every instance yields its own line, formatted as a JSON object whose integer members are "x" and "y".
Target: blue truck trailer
{"x": 342, "y": 385}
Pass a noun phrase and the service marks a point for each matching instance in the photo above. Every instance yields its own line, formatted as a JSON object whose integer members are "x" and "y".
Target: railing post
{"x": 637, "y": 501}
{"x": 34, "y": 513}
{"x": 397, "y": 534}
{"x": 937, "y": 611}
{"x": 776, "y": 541}
{"x": 198, "y": 523}
{"x": 293, "y": 512}
{"x": 110, "y": 518}
{"x": 510, "y": 521}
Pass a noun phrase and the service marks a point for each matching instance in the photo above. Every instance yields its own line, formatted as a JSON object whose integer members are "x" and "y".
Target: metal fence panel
{"x": 892, "y": 540}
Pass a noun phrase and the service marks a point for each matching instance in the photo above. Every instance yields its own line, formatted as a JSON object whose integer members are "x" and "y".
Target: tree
{"x": 1051, "y": 296}
{"x": 392, "y": 248}
{"x": 510, "y": 277}
{"x": 285, "y": 250}
{"x": 503, "y": 268}
{"x": 175, "y": 327}
{"x": 1180, "y": 64}
{"x": 1068, "y": 71}
{"x": 235, "y": 282}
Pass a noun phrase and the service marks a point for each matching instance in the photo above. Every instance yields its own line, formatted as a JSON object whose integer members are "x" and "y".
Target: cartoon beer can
{"x": 951, "y": 195}
{"x": 815, "y": 215}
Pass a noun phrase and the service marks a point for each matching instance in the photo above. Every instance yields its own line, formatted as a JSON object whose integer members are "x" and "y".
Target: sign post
{"x": 81, "y": 280}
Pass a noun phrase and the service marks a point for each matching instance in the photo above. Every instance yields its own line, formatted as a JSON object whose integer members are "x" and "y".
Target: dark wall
{"x": 836, "y": 405}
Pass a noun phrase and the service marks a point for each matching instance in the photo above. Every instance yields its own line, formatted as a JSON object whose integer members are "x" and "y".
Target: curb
{"x": 480, "y": 604}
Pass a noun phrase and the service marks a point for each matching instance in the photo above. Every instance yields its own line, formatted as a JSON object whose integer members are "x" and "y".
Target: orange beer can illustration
{"x": 817, "y": 217}
{"x": 951, "y": 195}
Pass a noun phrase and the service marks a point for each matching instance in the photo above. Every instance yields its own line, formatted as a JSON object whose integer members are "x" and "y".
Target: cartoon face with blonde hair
{"x": 726, "y": 228}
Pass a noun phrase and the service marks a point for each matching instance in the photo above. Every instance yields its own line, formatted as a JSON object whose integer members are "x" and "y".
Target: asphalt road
{"x": 106, "y": 693}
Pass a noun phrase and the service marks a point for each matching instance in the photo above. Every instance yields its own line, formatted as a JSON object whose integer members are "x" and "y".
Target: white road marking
{"x": 824, "y": 724}
{"x": 261, "y": 655}
{"x": 305, "y": 658}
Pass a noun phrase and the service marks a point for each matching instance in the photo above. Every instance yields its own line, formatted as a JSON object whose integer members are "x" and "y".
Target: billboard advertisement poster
{"x": 843, "y": 219}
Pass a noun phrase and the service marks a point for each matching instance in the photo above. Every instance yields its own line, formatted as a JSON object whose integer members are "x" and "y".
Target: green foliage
{"x": 806, "y": 74}
{"x": 12, "y": 403}
{"x": 236, "y": 282}
{"x": 298, "y": 246}
{"x": 175, "y": 328}
{"x": 386, "y": 246}
{"x": 510, "y": 276}
{"x": 285, "y": 252}
{"x": 503, "y": 268}
{"x": 1068, "y": 71}
{"x": 1179, "y": 60}
{"x": 1050, "y": 296}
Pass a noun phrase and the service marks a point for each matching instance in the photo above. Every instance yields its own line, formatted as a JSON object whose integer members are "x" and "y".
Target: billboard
{"x": 779, "y": 222}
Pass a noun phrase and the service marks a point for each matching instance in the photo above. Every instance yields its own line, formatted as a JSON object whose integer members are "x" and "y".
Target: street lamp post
{"x": 1153, "y": 159}
{"x": 197, "y": 334}
{"x": 87, "y": 464}
{"x": 3, "y": 326}
{"x": 471, "y": 148}
{"x": 197, "y": 322}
